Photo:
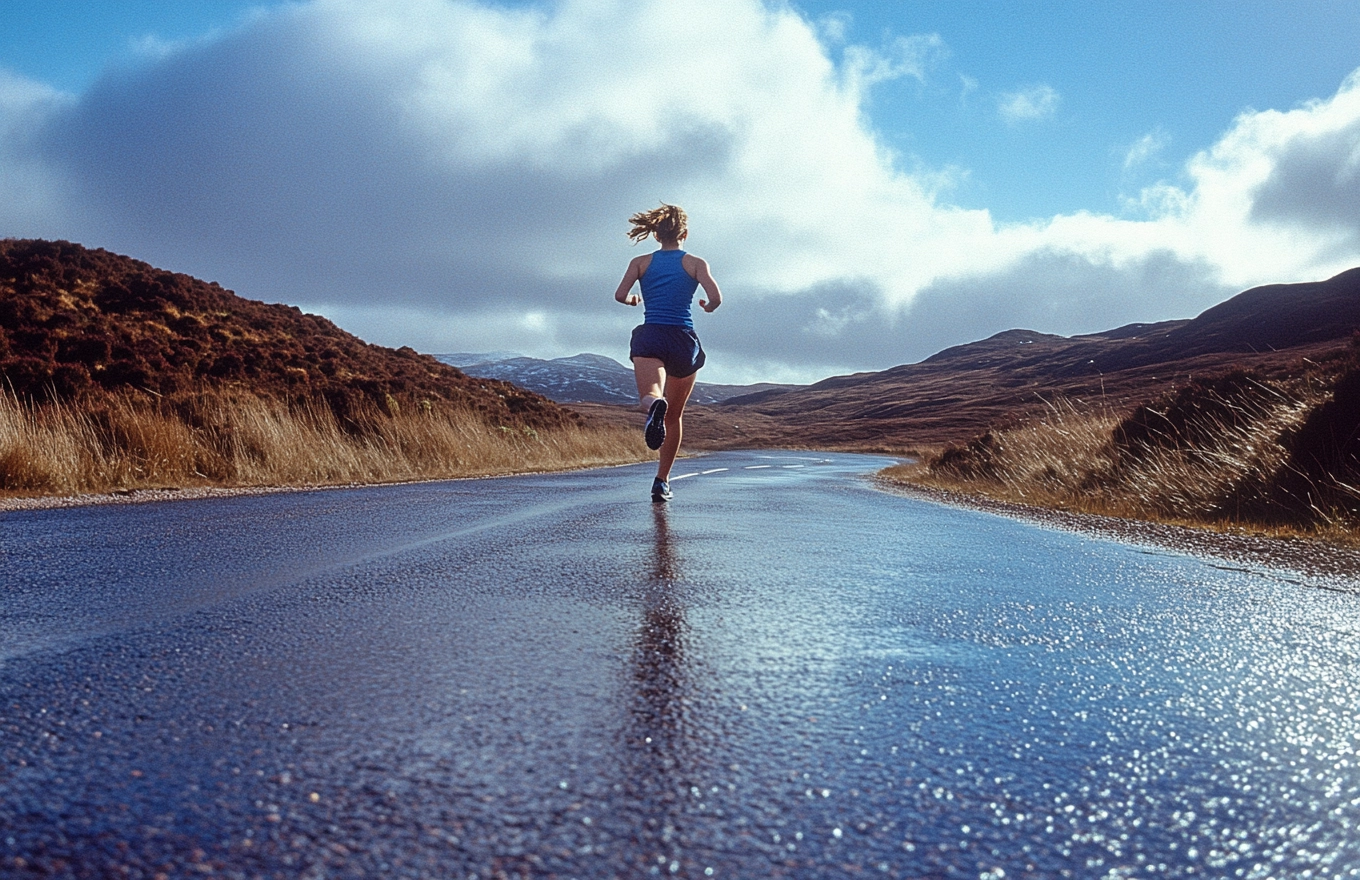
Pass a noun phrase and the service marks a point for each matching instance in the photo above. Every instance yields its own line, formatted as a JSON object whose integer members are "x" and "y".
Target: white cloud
{"x": 912, "y": 56}
{"x": 1032, "y": 103}
{"x": 430, "y": 172}
{"x": 1314, "y": 157}
{"x": 1146, "y": 149}
{"x": 1275, "y": 198}
{"x": 31, "y": 196}
{"x": 834, "y": 27}
{"x": 967, "y": 85}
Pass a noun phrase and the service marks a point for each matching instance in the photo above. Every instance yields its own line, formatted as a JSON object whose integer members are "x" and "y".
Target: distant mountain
{"x": 961, "y": 391}
{"x": 583, "y": 378}
{"x": 462, "y": 359}
{"x": 76, "y": 321}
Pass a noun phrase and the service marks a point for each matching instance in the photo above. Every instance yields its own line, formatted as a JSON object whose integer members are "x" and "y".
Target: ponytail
{"x": 668, "y": 223}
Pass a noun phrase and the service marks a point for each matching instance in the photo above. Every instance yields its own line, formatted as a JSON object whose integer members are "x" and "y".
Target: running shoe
{"x": 655, "y": 432}
{"x": 661, "y": 490}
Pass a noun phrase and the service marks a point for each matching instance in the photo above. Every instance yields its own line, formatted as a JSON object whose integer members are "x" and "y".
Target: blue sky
{"x": 69, "y": 43}
{"x": 871, "y": 181}
{"x": 1122, "y": 69}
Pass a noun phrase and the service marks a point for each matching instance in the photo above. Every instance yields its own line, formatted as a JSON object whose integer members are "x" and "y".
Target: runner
{"x": 665, "y": 351}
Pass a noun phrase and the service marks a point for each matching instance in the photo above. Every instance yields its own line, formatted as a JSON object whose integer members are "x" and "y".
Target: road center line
{"x": 684, "y": 476}
{"x": 714, "y": 471}
{"x": 756, "y": 467}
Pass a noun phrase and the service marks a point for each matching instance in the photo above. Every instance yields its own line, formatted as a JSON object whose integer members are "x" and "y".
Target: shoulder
{"x": 638, "y": 265}
{"x": 693, "y": 265}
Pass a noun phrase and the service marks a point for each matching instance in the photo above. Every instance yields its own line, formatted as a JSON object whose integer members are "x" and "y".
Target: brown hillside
{"x": 963, "y": 391}
{"x": 76, "y": 321}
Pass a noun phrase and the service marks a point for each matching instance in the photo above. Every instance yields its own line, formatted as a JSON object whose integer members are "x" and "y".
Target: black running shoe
{"x": 655, "y": 432}
{"x": 661, "y": 490}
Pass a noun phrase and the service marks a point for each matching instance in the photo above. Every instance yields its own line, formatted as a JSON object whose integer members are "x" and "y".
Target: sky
{"x": 870, "y": 182}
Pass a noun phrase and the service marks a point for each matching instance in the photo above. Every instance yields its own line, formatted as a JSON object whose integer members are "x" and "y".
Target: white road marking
{"x": 756, "y": 467}
{"x": 714, "y": 471}
{"x": 792, "y": 465}
{"x": 684, "y": 476}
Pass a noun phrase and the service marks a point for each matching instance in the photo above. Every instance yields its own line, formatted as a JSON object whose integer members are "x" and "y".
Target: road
{"x": 783, "y": 672}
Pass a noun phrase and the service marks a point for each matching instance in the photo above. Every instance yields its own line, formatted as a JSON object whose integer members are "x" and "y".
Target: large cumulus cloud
{"x": 456, "y": 176}
{"x": 1314, "y": 178}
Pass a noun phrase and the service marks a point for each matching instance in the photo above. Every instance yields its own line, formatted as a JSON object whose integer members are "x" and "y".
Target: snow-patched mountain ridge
{"x": 582, "y": 378}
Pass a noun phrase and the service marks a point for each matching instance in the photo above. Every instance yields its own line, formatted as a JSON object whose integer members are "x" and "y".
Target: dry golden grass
{"x": 1219, "y": 473}
{"x": 132, "y": 441}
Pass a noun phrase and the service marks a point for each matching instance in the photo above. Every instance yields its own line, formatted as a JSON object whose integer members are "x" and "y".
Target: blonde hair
{"x": 667, "y": 223}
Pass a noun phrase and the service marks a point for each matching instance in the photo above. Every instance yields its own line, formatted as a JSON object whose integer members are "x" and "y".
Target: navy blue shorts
{"x": 676, "y": 347}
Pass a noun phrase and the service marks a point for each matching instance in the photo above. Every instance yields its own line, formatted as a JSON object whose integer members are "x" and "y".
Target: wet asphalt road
{"x": 784, "y": 672}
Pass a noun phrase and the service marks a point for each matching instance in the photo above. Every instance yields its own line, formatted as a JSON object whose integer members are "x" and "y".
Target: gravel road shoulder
{"x": 1324, "y": 564}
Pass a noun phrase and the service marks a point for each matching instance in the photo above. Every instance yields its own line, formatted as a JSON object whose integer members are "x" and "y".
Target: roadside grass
{"x": 1232, "y": 453}
{"x": 129, "y": 441}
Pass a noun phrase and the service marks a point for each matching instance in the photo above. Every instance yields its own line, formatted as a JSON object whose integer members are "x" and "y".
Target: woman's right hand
{"x": 624, "y": 294}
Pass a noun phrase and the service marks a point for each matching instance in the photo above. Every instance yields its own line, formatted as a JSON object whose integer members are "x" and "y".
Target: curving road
{"x": 784, "y": 672}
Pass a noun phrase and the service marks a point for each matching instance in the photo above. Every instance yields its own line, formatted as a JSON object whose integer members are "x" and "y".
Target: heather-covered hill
{"x": 76, "y": 321}
{"x": 962, "y": 391}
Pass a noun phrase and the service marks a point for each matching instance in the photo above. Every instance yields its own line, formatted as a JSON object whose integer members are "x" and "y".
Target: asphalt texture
{"x": 781, "y": 673}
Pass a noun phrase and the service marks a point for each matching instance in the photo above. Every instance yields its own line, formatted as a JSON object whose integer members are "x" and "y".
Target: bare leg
{"x": 650, "y": 374}
{"x": 677, "y": 393}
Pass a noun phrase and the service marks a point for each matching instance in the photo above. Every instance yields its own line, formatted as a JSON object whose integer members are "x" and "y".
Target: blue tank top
{"x": 667, "y": 290}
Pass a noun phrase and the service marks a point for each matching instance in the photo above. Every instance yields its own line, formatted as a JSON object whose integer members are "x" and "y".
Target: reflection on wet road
{"x": 782, "y": 673}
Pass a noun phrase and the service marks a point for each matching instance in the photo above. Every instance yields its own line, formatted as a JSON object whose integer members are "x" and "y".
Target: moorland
{"x": 121, "y": 376}
{"x": 1246, "y": 417}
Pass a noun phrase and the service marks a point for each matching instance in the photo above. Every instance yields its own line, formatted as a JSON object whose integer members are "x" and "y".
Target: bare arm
{"x": 630, "y": 277}
{"x": 705, "y": 279}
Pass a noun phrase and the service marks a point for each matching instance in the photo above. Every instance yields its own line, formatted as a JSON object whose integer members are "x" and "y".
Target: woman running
{"x": 665, "y": 351}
